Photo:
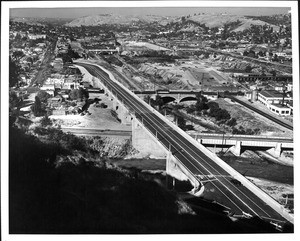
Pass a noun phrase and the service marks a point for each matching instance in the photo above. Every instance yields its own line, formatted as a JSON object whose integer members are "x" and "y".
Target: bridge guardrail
{"x": 256, "y": 190}
{"x": 246, "y": 136}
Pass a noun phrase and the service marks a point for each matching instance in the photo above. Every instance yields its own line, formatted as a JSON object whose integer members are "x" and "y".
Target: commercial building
{"x": 275, "y": 102}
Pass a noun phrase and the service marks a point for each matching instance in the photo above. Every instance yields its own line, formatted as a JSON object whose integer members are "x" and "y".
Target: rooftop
{"x": 280, "y": 106}
{"x": 271, "y": 94}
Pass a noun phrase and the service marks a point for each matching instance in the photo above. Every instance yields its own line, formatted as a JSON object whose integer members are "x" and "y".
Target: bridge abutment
{"x": 276, "y": 151}
{"x": 144, "y": 142}
{"x": 176, "y": 170}
{"x": 236, "y": 150}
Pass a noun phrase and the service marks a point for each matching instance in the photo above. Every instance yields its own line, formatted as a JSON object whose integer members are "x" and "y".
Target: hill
{"x": 58, "y": 184}
{"x": 117, "y": 19}
{"x": 219, "y": 20}
{"x": 239, "y": 23}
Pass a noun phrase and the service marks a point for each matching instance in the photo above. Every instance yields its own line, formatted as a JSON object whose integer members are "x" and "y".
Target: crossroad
{"x": 237, "y": 198}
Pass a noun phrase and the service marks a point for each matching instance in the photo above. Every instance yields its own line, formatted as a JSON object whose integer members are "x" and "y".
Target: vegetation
{"x": 14, "y": 72}
{"x": 38, "y": 108}
{"x": 79, "y": 94}
{"x": 43, "y": 96}
{"x": 58, "y": 184}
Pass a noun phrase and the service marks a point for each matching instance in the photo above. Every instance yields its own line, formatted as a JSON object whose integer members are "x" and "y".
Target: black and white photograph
{"x": 142, "y": 118}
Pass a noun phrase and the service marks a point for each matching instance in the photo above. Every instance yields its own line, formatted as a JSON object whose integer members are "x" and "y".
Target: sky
{"x": 67, "y": 12}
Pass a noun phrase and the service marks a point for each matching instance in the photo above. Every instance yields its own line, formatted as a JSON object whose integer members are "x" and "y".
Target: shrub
{"x": 232, "y": 122}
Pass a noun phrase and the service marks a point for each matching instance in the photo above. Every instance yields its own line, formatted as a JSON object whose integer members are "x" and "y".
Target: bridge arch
{"x": 168, "y": 99}
{"x": 188, "y": 98}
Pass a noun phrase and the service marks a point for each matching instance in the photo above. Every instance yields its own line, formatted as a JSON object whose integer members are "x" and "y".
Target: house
{"x": 57, "y": 64}
{"x": 49, "y": 88}
{"x": 56, "y": 101}
{"x": 59, "y": 112}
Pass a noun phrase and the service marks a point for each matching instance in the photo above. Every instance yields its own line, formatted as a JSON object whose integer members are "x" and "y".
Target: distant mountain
{"x": 118, "y": 19}
{"x": 41, "y": 21}
{"x": 237, "y": 23}
{"x": 29, "y": 21}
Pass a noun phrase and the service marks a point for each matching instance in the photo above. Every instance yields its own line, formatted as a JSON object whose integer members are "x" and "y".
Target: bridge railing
{"x": 245, "y": 136}
{"x": 256, "y": 190}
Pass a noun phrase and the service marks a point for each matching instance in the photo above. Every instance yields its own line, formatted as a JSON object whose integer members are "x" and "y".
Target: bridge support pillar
{"x": 122, "y": 112}
{"x": 276, "y": 151}
{"x": 144, "y": 142}
{"x": 236, "y": 150}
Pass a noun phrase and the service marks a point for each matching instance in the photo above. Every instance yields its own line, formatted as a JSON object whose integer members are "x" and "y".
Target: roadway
{"x": 96, "y": 132}
{"x": 237, "y": 198}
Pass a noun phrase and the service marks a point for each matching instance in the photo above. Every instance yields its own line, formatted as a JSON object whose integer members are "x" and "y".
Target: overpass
{"x": 177, "y": 95}
{"x": 187, "y": 158}
{"x": 237, "y": 142}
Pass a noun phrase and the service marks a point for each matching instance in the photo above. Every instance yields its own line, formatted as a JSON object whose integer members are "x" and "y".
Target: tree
{"x": 83, "y": 93}
{"x": 80, "y": 93}
{"x": 66, "y": 58}
{"x": 18, "y": 54}
{"x": 74, "y": 94}
{"x": 245, "y": 53}
{"x": 43, "y": 96}
{"x": 222, "y": 114}
{"x": 232, "y": 122}
{"x": 213, "y": 106}
{"x": 37, "y": 107}
{"x": 181, "y": 122}
{"x": 248, "y": 69}
{"x": 147, "y": 99}
{"x": 13, "y": 99}
{"x": 201, "y": 103}
{"x": 14, "y": 71}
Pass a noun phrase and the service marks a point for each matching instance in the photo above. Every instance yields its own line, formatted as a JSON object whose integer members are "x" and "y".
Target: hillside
{"x": 117, "y": 19}
{"x": 209, "y": 20}
{"x": 58, "y": 184}
{"x": 29, "y": 21}
{"x": 220, "y": 20}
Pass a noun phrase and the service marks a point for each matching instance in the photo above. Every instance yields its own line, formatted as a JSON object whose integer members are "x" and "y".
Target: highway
{"x": 237, "y": 198}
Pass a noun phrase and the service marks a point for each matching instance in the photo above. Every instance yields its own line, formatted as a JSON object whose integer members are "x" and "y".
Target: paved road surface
{"x": 96, "y": 132}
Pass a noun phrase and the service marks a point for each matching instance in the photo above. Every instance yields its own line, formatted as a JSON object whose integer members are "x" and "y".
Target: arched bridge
{"x": 177, "y": 96}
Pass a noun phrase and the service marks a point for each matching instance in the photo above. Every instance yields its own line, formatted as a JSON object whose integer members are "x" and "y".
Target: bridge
{"x": 186, "y": 158}
{"x": 237, "y": 142}
{"x": 177, "y": 96}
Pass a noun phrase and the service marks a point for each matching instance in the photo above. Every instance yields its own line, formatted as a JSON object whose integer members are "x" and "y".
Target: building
{"x": 268, "y": 97}
{"x": 58, "y": 64}
{"x": 281, "y": 110}
{"x": 275, "y": 102}
{"x": 49, "y": 88}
